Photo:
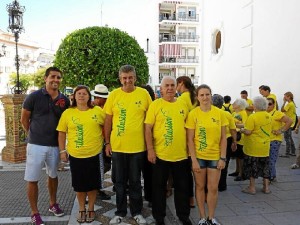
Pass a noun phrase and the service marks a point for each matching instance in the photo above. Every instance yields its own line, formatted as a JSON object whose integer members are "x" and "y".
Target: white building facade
{"x": 31, "y": 58}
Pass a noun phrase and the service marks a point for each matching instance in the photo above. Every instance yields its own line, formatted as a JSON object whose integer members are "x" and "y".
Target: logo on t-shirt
{"x": 169, "y": 128}
{"x": 122, "y": 120}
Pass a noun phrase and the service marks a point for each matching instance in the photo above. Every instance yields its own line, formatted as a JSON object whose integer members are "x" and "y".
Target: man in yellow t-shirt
{"x": 265, "y": 91}
{"x": 249, "y": 108}
{"x": 166, "y": 146}
{"x": 124, "y": 140}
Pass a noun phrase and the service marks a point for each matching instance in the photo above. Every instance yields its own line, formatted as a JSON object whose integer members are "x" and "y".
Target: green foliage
{"x": 38, "y": 78}
{"x": 94, "y": 55}
{"x": 24, "y": 79}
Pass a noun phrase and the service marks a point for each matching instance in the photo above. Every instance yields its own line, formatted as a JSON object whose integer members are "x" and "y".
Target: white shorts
{"x": 39, "y": 156}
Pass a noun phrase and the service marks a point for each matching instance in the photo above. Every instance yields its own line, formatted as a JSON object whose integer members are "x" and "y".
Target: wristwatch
{"x": 223, "y": 159}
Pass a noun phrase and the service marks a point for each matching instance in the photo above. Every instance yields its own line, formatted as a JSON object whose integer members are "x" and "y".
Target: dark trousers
{"x": 160, "y": 172}
{"x": 127, "y": 167}
{"x": 223, "y": 178}
{"x": 147, "y": 175}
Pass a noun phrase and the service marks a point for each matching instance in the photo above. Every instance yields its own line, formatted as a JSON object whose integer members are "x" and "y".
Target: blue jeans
{"x": 274, "y": 150}
{"x": 160, "y": 172}
{"x": 127, "y": 167}
{"x": 290, "y": 146}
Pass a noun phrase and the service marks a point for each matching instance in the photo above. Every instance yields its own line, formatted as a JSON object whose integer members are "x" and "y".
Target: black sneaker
{"x": 213, "y": 221}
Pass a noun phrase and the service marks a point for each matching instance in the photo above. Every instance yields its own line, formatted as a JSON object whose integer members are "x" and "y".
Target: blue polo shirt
{"x": 45, "y": 114}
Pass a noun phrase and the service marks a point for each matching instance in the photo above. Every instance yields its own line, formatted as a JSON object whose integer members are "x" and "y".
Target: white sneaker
{"x": 116, "y": 220}
{"x": 295, "y": 166}
{"x": 140, "y": 219}
{"x": 202, "y": 222}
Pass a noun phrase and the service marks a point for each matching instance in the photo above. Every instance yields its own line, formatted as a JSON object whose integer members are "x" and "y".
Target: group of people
{"x": 189, "y": 138}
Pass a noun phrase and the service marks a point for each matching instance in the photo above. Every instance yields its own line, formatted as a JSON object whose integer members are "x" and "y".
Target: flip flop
{"x": 247, "y": 191}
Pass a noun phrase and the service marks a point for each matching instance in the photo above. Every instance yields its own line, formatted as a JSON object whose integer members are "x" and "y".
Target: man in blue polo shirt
{"x": 40, "y": 115}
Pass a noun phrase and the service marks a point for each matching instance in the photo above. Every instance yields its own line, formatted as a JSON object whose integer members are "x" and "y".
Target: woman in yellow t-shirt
{"x": 82, "y": 125}
{"x": 280, "y": 123}
{"x": 240, "y": 117}
{"x": 257, "y": 146}
{"x": 289, "y": 109}
{"x": 187, "y": 94}
{"x": 206, "y": 136}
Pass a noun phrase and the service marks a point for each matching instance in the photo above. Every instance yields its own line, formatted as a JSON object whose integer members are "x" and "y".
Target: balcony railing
{"x": 179, "y": 59}
{"x": 178, "y": 38}
{"x": 179, "y": 17}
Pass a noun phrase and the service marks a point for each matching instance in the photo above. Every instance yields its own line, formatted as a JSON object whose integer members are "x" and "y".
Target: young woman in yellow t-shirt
{"x": 206, "y": 136}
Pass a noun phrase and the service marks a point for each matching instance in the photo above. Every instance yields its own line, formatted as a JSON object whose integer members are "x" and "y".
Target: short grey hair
{"x": 260, "y": 103}
{"x": 168, "y": 78}
{"x": 241, "y": 103}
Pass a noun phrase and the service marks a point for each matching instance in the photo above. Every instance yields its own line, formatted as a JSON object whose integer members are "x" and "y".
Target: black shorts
{"x": 85, "y": 173}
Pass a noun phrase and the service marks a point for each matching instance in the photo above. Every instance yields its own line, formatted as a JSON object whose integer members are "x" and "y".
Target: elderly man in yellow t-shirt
{"x": 124, "y": 140}
{"x": 167, "y": 150}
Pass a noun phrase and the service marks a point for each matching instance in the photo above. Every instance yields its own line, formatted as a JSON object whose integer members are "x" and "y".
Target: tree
{"x": 94, "y": 55}
{"x": 38, "y": 77}
{"x": 25, "y": 81}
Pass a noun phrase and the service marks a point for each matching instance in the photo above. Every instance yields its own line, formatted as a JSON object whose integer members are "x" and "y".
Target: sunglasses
{"x": 270, "y": 103}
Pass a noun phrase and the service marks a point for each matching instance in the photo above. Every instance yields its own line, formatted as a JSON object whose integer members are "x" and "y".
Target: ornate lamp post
{"x": 15, "y": 13}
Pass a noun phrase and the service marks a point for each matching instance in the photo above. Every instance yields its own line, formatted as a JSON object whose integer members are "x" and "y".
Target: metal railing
{"x": 179, "y": 17}
{"x": 179, "y": 59}
{"x": 178, "y": 38}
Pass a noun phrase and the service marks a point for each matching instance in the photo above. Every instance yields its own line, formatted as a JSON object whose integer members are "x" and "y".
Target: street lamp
{"x": 3, "y": 50}
{"x": 15, "y": 13}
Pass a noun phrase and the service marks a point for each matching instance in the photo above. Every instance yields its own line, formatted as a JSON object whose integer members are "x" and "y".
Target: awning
{"x": 170, "y": 50}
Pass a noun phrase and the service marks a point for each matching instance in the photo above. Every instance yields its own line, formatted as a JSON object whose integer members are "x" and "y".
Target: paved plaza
{"x": 282, "y": 206}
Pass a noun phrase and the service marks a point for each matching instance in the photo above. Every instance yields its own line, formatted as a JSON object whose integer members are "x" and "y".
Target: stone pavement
{"x": 282, "y": 206}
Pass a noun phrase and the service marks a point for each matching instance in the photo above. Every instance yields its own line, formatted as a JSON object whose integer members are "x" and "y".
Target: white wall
{"x": 260, "y": 46}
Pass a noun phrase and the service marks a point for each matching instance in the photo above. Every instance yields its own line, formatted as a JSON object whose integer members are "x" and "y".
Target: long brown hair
{"x": 187, "y": 82}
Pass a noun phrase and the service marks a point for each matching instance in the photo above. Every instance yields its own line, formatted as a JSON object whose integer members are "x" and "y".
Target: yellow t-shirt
{"x": 207, "y": 126}
{"x": 272, "y": 96}
{"x": 258, "y": 143}
{"x": 128, "y": 111}
{"x": 250, "y": 103}
{"x": 231, "y": 124}
{"x": 240, "y": 118}
{"x": 185, "y": 96}
{"x": 226, "y": 105}
{"x": 290, "y": 109}
{"x": 169, "y": 134}
{"x": 276, "y": 124}
{"x": 84, "y": 131}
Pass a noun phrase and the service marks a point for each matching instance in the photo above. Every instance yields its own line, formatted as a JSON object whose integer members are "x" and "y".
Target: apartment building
{"x": 179, "y": 39}
{"x": 31, "y": 58}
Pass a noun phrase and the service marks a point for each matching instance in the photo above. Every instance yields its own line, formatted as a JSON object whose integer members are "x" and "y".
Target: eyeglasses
{"x": 270, "y": 103}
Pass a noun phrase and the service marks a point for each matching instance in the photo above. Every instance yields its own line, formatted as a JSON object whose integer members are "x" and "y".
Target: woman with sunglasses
{"x": 280, "y": 123}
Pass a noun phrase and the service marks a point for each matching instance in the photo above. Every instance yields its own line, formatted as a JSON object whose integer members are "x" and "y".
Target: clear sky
{"x": 49, "y": 21}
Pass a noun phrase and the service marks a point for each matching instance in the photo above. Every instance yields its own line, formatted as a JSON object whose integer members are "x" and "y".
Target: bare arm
{"x": 25, "y": 119}
{"x": 107, "y": 132}
{"x": 223, "y": 145}
{"x": 149, "y": 143}
{"x": 234, "y": 141}
{"x": 62, "y": 146}
{"x": 190, "y": 134}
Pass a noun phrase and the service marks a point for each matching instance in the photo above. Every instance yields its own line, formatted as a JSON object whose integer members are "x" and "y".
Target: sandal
{"x": 247, "y": 191}
{"x": 81, "y": 216}
{"x": 90, "y": 217}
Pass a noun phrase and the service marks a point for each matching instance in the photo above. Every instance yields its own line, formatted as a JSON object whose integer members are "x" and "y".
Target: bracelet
{"x": 106, "y": 143}
{"x": 223, "y": 159}
{"x": 62, "y": 151}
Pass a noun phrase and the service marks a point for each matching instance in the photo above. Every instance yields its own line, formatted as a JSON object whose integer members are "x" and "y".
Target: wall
{"x": 259, "y": 46}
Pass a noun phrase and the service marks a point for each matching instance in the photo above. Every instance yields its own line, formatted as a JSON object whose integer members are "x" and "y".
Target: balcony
{"x": 179, "y": 59}
{"x": 178, "y": 38}
{"x": 179, "y": 17}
